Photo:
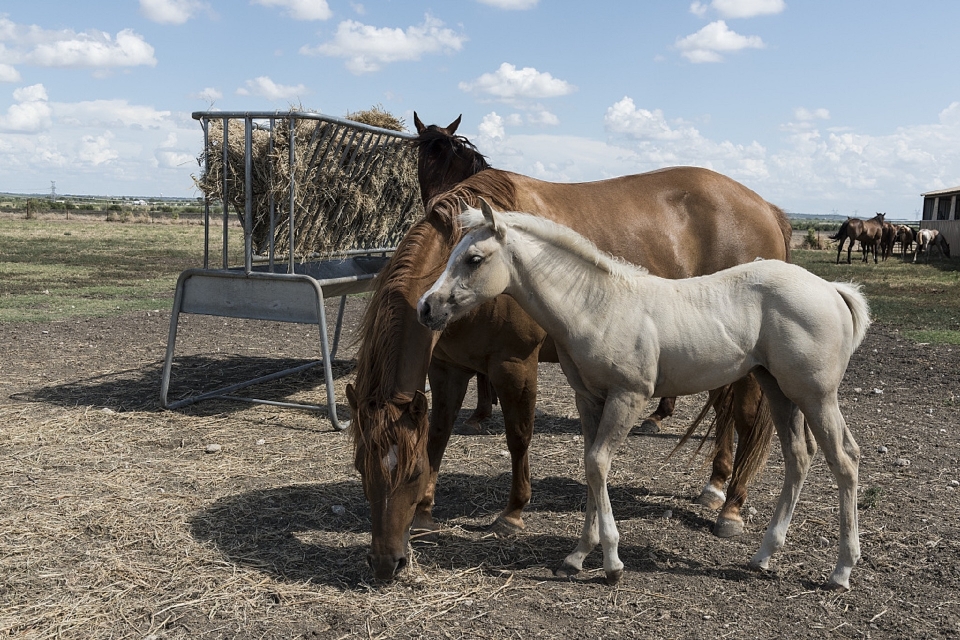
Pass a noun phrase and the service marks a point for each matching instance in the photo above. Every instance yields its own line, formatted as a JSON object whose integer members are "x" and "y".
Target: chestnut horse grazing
{"x": 624, "y": 336}
{"x": 676, "y": 222}
{"x": 868, "y": 232}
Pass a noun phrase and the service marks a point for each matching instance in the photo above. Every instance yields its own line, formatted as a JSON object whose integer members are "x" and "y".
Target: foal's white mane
{"x": 557, "y": 235}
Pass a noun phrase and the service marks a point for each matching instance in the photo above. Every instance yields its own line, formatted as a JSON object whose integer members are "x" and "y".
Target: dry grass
{"x": 352, "y": 189}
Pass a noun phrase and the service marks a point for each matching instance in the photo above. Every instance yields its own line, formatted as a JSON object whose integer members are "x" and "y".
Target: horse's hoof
{"x": 566, "y": 571}
{"x": 613, "y": 577}
{"x": 830, "y": 585}
{"x": 726, "y": 528}
{"x": 503, "y": 528}
{"x": 648, "y": 427}
{"x": 711, "y": 498}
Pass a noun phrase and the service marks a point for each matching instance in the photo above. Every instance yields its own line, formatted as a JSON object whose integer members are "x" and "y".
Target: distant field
{"x": 58, "y": 269}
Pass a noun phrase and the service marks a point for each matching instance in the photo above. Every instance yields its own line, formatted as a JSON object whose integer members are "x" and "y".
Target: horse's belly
{"x": 696, "y": 375}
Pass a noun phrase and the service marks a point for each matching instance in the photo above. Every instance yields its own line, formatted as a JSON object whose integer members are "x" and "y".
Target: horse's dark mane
{"x": 378, "y": 357}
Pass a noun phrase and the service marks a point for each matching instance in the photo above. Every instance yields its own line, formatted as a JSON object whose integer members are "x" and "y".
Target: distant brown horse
{"x": 677, "y": 222}
{"x": 868, "y": 232}
{"x": 888, "y": 238}
{"x": 906, "y": 236}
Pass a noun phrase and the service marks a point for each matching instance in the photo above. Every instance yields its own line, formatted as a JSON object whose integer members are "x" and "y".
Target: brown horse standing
{"x": 868, "y": 232}
{"x": 678, "y": 222}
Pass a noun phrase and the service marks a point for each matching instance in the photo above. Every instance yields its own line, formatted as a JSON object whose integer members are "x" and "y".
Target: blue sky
{"x": 820, "y": 106}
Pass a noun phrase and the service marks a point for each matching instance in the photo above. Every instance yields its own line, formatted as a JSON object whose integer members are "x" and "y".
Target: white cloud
{"x": 301, "y": 9}
{"x": 748, "y": 8}
{"x": 96, "y": 150}
{"x": 510, "y": 5}
{"x": 109, "y": 113}
{"x": 699, "y": 9}
{"x": 707, "y": 44}
{"x": 491, "y": 127}
{"x": 264, "y": 87}
{"x": 542, "y": 117}
{"x": 7, "y": 72}
{"x": 508, "y": 84}
{"x": 170, "y": 11}
{"x": 68, "y": 49}
{"x": 30, "y": 114}
{"x": 367, "y": 48}
{"x": 806, "y": 115}
{"x": 208, "y": 95}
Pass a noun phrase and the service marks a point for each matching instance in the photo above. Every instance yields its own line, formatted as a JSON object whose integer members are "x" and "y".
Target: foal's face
{"x": 476, "y": 273}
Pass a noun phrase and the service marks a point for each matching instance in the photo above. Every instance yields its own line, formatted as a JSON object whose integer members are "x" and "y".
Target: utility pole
{"x": 53, "y": 190}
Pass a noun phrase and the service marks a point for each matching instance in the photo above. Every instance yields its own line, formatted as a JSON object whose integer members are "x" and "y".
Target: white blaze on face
{"x": 390, "y": 460}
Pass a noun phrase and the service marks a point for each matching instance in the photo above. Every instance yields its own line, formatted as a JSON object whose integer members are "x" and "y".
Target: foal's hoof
{"x": 648, "y": 427}
{"x": 503, "y": 528}
{"x": 725, "y": 528}
{"x": 566, "y": 571}
{"x": 613, "y": 577}
{"x": 830, "y": 585}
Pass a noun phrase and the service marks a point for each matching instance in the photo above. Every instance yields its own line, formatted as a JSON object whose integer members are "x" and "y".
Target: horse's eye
{"x": 474, "y": 261}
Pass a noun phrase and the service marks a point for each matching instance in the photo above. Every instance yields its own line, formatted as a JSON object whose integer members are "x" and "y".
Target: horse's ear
{"x": 352, "y": 398}
{"x": 490, "y": 218}
{"x": 419, "y": 406}
{"x": 464, "y": 207}
{"x": 452, "y": 127}
{"x": 416, "y": 123}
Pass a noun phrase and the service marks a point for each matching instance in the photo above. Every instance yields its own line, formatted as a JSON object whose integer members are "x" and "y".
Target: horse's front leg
{"x": 590, "y": 411}
{"x": 448, "y": 386}
{"x": 515, "y": 383}
{"x": 620, "y": 410}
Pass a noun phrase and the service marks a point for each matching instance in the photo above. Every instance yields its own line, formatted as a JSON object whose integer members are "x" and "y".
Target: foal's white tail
{"x": 859, "y": 309}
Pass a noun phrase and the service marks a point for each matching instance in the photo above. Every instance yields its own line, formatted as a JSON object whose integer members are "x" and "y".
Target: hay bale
{"x": 351, "y": 189}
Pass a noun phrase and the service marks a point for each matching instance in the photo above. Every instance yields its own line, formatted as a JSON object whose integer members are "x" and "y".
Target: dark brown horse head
{"x": 444, "y": 158}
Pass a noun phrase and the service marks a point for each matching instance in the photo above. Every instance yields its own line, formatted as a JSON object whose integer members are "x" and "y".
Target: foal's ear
{"x": 416, "y": 123}
{"x": 464, "y": 207}
{"x": 488, "y": 215}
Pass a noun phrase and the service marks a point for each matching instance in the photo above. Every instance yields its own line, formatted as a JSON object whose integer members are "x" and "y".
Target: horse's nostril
{"x": 424, "y": 309}
{"x": 401, "y": 563}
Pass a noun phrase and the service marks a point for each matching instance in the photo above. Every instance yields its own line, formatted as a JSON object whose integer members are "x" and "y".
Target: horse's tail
{"x": 859, "y": 309}
{"x": 753, "y": 445}
{"x": 842, "y": 231}
{"x": 786, "y": 229}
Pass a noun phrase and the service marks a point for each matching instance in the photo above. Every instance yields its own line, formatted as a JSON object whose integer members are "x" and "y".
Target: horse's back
{"x": 676, "y": 222}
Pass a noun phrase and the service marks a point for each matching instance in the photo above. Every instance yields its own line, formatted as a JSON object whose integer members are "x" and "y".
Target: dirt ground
{"x": 116, "y": 522}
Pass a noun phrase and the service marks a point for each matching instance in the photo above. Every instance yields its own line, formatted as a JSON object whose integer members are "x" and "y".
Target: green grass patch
{"x": 54, "y": 270}
{"x": 922, "y": 300}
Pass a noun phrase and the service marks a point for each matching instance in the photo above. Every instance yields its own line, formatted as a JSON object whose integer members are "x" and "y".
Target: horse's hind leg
{"x": 754, "y": 431}
{"x": 842, "y": 454}
{"x": 486, "y": 398}
{"x": 798, "y": 447}
{"x": 651, "y": 424}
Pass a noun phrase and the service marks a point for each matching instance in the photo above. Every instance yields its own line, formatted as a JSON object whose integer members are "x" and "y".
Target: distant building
{"x": 941, "y": 210}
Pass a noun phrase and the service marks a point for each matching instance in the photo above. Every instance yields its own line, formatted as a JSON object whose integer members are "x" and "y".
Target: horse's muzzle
{"x": 385, "y": 567}
{"x": 429, "y": 317}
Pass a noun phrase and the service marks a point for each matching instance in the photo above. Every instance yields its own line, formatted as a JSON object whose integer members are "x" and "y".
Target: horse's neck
{"x": 565, "y": 294}
{"x": 396, "y": 352}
